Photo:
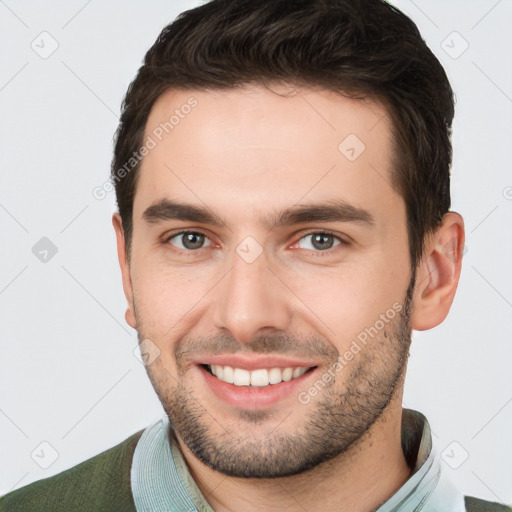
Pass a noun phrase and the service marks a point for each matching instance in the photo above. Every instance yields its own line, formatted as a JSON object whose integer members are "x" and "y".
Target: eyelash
{"x": 317, "y": 252}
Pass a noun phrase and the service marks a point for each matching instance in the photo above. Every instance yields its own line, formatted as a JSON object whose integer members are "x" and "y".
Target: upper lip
{"x": 252, "y": 362}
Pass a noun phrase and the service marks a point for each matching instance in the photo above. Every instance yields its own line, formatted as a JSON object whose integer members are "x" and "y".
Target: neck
{"x": 359, "y": 480}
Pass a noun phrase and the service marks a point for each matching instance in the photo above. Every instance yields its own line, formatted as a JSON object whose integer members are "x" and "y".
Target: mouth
{"x": 256, "y": 387}
{"x": 259, "y": 378}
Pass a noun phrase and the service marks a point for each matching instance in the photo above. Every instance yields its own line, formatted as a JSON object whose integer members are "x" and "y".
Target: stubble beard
{"x": 334, "y": 420}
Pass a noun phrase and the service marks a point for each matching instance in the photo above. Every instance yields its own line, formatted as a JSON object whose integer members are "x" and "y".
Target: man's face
{"x": 266, "y": 298}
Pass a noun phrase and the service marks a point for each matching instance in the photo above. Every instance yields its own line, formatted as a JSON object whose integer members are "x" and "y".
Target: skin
{"x": 245, "y": 153}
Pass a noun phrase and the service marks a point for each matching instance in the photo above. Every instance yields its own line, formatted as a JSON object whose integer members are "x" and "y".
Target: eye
{"x": 321, "y": 241}
{"x": 188, "y": 240}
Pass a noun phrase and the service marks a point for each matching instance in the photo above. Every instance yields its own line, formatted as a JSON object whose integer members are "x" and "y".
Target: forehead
{"x": 248, "y": 150}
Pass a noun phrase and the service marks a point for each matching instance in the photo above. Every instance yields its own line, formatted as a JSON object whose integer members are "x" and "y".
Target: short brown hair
{"x": 359, "y": 48}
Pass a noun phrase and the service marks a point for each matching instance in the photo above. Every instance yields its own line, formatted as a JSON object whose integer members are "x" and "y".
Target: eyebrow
{"x": 328, "y": 211}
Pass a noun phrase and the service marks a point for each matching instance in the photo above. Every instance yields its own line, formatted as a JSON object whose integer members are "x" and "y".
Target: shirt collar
{"x": 161, "y": 482}
{"x": 427, "y": 489}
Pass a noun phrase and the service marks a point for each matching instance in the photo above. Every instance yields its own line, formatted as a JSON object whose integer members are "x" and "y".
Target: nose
{"x": 251, "y": 300}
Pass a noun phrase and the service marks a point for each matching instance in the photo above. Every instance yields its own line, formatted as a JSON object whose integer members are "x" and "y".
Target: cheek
{"x": 343, "y": 302}
{"x": 166, "y": 296}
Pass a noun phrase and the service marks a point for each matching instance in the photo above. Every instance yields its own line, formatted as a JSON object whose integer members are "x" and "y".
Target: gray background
{"x": 68, "y": 374}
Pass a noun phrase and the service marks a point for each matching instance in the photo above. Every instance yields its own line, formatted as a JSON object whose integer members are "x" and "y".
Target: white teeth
{"x": 287, "y": 374}
{"x": 228, "y": 374}
{"x": 274, "y": 376}
{"x": 256, "y": 378}
{"x": 259, "y": 378}
{"x": 218, "y": 371}
{"x": 241, "y": 377}
{"x": 298, "y": 372}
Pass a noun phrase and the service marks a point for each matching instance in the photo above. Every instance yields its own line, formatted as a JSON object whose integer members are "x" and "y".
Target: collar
{"x": 427, "y": 489}
{"x": 161, "y": 482}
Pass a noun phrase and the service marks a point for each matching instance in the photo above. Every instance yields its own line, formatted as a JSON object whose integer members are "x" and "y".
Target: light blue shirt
{"x": 161, "y": 482}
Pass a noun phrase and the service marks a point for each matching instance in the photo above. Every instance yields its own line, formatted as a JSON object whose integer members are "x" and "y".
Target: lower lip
{"x": 253, "y": 398}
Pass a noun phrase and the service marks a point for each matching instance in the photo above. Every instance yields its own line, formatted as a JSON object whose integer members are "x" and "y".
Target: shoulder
{"x": 477, "y": 505}
{"x": 101, "y": 483}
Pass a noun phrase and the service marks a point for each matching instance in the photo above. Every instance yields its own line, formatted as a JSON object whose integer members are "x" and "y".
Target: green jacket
{"x": 102, "y": 484}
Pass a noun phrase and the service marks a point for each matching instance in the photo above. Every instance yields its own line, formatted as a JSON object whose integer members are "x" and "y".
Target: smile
{"x": 246, "y": 381}
{"x": 261, "y": 377}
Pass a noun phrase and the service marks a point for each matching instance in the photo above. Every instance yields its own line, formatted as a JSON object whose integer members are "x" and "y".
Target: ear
{"x": 438, "y": 273}
{"x": 125, "y": 269}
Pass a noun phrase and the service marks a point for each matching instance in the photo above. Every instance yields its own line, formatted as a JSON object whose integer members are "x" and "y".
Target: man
{"x": 282, "y": 178}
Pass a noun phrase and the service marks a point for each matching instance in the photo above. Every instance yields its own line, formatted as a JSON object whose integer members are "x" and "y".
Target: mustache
{"x": 277, "y": 344}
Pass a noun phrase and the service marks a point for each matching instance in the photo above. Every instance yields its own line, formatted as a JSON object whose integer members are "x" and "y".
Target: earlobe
{"x": 125, "y": 269}
{"x": 438, "y": 274}
{"x": 129, "y": 316}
